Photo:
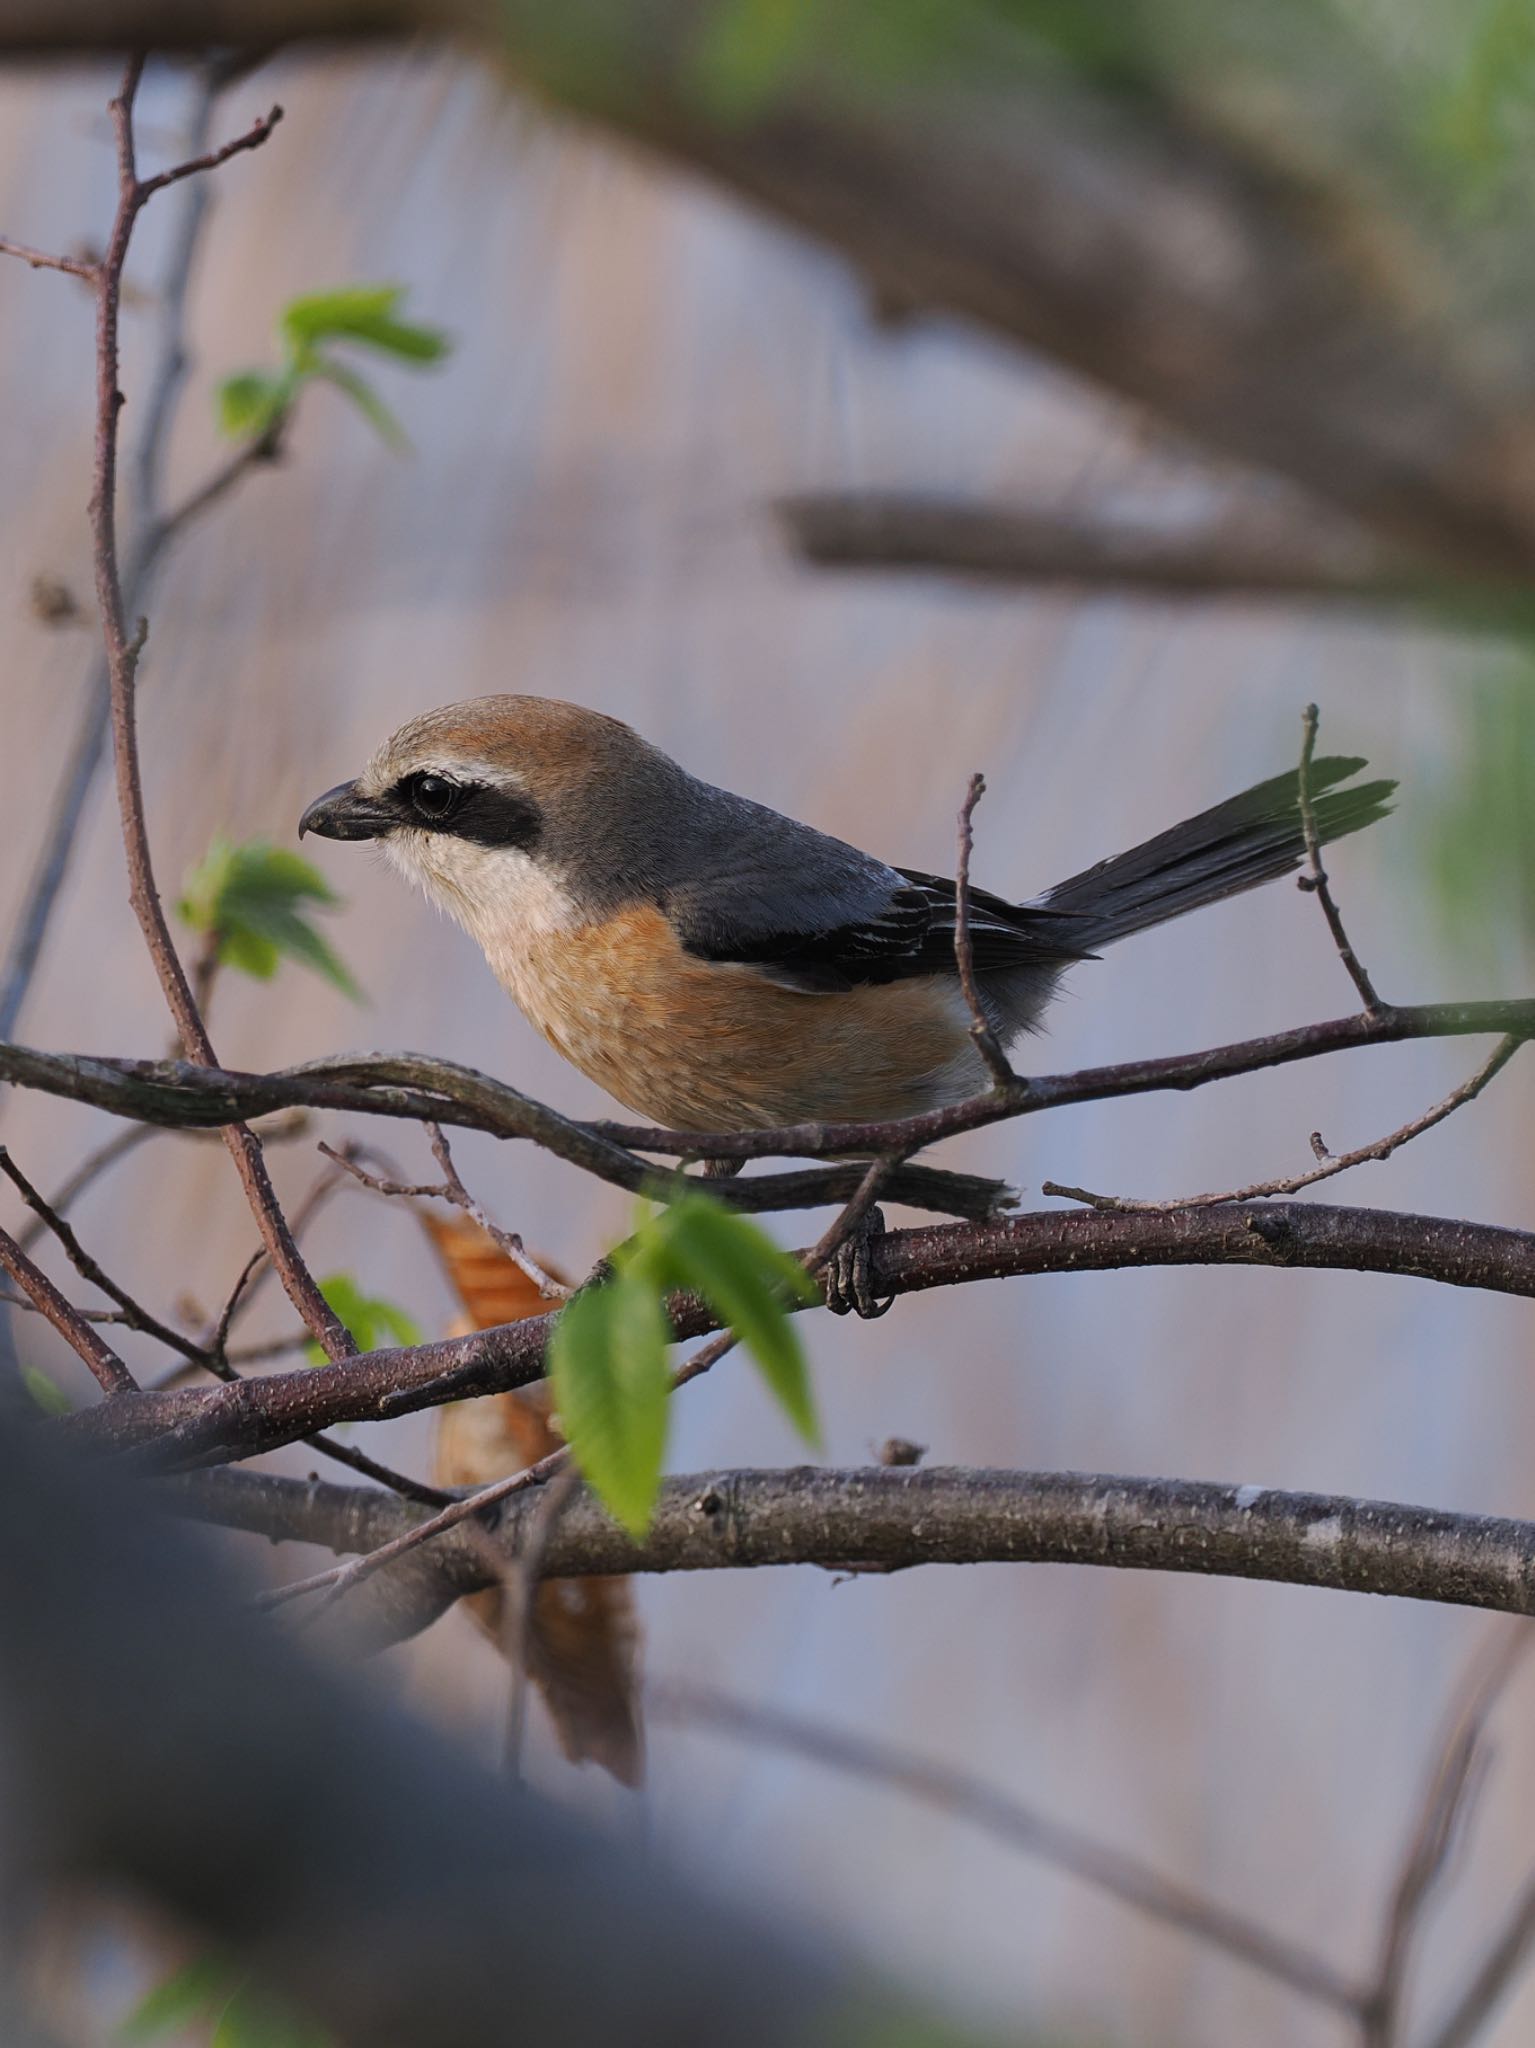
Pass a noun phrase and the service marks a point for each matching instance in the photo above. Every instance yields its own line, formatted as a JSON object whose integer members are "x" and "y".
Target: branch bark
{"x": 892, "y": 1518}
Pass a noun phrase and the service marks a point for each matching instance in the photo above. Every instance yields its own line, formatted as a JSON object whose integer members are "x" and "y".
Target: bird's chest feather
{"x": 707, "y": 1045}
{"x": 698, "y": 1044}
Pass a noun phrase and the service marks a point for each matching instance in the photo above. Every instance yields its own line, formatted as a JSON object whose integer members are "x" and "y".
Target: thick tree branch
{"x": 883, "y": 1518}
{"x": 418, "y": 1088}
{"x": 193, "y": 1427}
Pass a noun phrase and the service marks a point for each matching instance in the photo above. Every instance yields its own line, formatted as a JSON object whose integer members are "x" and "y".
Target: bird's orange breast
{"x": 700, "y": 1045}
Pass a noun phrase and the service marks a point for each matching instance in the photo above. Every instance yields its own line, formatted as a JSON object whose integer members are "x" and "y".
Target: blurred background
{"x": 639, "y": 369}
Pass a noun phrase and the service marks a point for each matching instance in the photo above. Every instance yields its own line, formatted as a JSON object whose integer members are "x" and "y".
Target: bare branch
{"x": 451, "y": 1189}
{"x": 1120, "y": 1876}
{"x": 110, "y": 1373}
{"x": 40, "y": 259}
{"x": 1002, "y": 1075}
{"x": 1381, "y": 1148}
{"x": 885, "y": 1518}
{"x": 415, "y": 1087}
{"x": 122, "y": 664}
{"x": 194, "y": 1426}
{"x": 1506, "y": 1955}
{"x": 1458, "y": 1764}
{"x": 1247, "y": 552}
{"x": 210, "y": 160}
{"x": 1316, "y": 881}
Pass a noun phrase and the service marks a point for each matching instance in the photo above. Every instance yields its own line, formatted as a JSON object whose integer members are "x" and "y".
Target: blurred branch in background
{"x": 154, "y": 530}
{"x": 1257, "y": 222}
{"x": 1244, "y": 552}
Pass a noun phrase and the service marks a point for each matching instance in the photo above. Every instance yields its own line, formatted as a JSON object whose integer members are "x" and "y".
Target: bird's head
{"x": 507, "y": 809}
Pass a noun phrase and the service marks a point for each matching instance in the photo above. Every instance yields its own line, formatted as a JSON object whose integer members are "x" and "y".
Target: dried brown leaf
{"x": 582, "y": 1637}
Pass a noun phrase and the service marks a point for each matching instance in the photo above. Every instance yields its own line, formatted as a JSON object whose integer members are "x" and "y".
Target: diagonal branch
{"x": 108, "y": 1369}
{"x": 960, "y": 1794}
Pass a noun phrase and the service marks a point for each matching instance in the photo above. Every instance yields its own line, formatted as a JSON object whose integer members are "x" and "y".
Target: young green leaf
{"x": 46, "y": 1392}
{"x": 745, "y": 1276}
{"x": 366, "y": 400}
{"x": 607, "y": 1367}
{"x": 371, "y": 1320}
{"x": 192, "y": 1993}
{"x": 250, "y": 404}
{"x": 250, "y": 895}
{"x": 362, "y": 313}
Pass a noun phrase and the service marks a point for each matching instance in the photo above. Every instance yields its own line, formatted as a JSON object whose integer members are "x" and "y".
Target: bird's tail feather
{"x": 1249, "y": 839}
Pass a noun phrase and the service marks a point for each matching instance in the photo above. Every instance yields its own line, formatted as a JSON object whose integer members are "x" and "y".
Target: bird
{"x": 717, "y": 966}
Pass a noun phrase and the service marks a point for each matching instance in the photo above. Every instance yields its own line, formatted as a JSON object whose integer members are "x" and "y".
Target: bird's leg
{"x": 849, "y": 1278}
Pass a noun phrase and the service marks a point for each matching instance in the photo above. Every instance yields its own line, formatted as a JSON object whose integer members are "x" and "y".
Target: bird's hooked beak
{"x": 345, "y": 813}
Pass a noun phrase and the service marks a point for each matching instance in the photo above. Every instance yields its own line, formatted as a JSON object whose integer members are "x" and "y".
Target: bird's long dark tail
{"x": 1249, "y": 839}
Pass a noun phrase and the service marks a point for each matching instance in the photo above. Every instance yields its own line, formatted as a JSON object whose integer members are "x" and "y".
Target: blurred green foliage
{"x": 255, "y": 404}
{"x": 371, "y": 1321}
{"x": 214, "y": 1993}
{"x": 1478, "y": 826}
{"x": 46, "y": 1392}
{"x": 608, "y": 1357}
{"x": 251, "y": 897}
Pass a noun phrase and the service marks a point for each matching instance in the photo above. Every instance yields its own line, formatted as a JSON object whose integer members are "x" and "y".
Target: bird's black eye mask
{"x": 485, "y": 813}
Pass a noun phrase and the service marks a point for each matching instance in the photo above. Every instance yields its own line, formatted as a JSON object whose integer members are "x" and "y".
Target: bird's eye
{"x": 434, "y": 797}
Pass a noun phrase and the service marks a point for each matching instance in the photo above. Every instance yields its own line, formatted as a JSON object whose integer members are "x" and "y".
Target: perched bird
{"x": 716, "y": 966}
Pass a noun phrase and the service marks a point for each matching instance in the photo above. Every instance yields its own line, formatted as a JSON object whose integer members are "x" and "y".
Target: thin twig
{"x": 40, "y": 259}
{"x": 87, "y": 1315}
{"x": 154, "y": 533}
{"x": 1456, "y": 1770}
{"x": 1120, "y": 1876}
{"x": 122, "y": 663}
{"x": 136, "y": 1316}
{"x": 1332, "y": 1164}
{"x": 1002, "y": 1075}
{"x": 520, "y": 1596}
{"x": 1505, "y": 1956}
{"x": 110, "y": 1372}
{"x": 253, "y": 138}
{"x": 1316, "y": 880}
{"x": 451, "y": 1189}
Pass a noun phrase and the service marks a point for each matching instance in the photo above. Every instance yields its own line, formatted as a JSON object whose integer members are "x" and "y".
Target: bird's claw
{"x": 848, "y": 1280}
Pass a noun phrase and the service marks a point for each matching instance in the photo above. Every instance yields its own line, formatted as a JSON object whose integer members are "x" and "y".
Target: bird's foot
{"x": 849, "y": 1278}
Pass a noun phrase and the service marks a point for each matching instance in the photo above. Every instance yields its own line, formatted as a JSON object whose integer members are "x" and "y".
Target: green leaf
{"x": 46, "y": 1392}
{"x": 189, "y": 1994}
{"x": 250, "y": 404}
{"x": 250, "y": 895}
{"x": 745, "y": 1276}
{"x": 370, "y": 1319}
{"x": 363, "y": 313}
{"x": 607, "y": 1367}
{"x": 366, "y": 400}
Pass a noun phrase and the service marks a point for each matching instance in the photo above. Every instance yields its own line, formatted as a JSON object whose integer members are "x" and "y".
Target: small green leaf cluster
{"x": 370, "y": 1320}
{"x": 608, "y": 1364}
{"x": 250, "y": 898}
{"x": 214, "y": 1992}
{"x": 254, "y": 404}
